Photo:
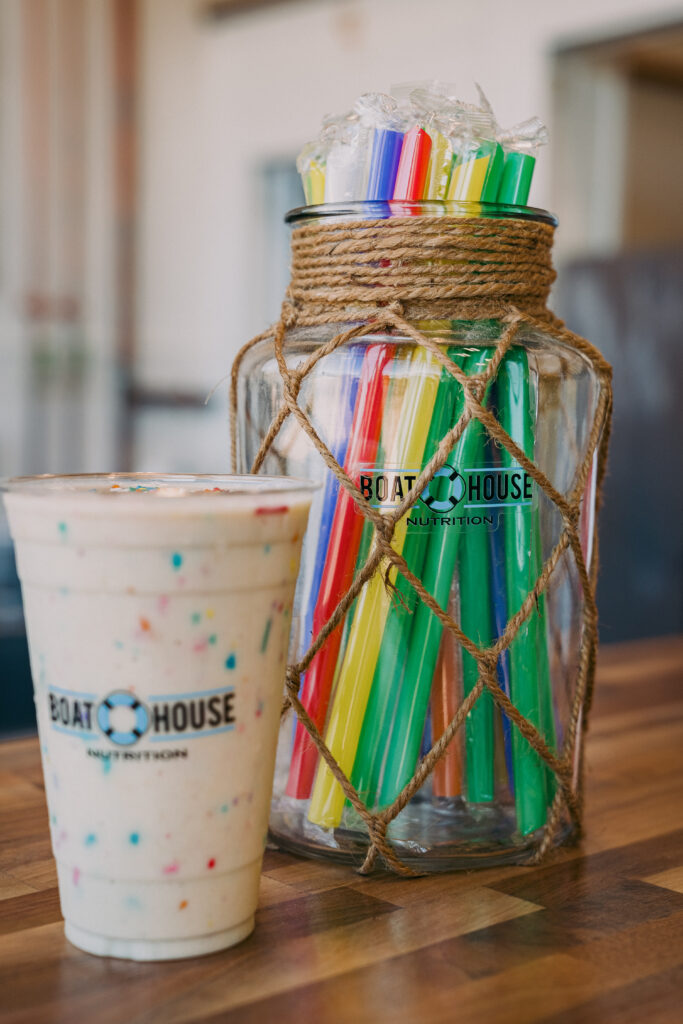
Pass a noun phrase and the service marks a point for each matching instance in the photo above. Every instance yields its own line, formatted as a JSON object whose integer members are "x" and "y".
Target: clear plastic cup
{"x": 158, "y": 612}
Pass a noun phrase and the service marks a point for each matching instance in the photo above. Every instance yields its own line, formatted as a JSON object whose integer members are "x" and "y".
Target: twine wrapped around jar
{"x": 391, "y": 274}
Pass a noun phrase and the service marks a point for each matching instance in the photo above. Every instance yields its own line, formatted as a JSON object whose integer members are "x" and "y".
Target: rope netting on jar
{"x": 389, "y": 275}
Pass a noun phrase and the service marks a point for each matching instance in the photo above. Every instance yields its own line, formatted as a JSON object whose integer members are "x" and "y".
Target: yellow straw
{"x": 467, "y": 179}
{"x": 365, "y": 638}
{"x": 316, "y": 178}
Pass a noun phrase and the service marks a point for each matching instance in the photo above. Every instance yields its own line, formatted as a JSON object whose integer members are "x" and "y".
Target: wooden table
{"x": 594, "y": 935}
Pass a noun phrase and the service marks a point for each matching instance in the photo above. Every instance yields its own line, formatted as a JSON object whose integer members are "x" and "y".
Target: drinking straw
{"x": 365, "y": 637}
{"x": 520, "y": 145}
{"x": 402, "y": 739}
{"x": 316, "y": 175}
{"x": 515, "y": 181}
{"x": 413, "y": 165}
{"x": 310, "y": 164}
{"x": 476, "y": 623}
{"x": 386, "y": 153}
{"x": 345, "y": 404}
{"x": 529, "y": 679}
{"x": 369, "y": 757}
{"x": 345, "y": 535}
{"x": 476, "y": 177}
{"x": 445, "y": 700}
{"x": 500, "y": 617}
{"x": 440, "y": 164}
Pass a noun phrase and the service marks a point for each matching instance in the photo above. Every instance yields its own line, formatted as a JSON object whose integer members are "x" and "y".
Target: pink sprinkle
{"x": 181, "y": 581}
{"x": 199, "y": 646}
{"x": 77, "y": 875}
{"x": 163, "y": 602}
{"x": 171, "y": 869}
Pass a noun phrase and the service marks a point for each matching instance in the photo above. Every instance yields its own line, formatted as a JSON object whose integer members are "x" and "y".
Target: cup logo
{"x": 123, "y": 719}
{"x": 121, "y": 708}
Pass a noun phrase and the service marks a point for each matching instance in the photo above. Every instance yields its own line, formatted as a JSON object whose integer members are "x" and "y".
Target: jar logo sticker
{"x": 452, "y": 489}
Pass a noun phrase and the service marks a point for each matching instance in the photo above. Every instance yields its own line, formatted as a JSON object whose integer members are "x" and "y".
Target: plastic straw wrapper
{"x": 478, "y": 167}
{"x": 520, "y": 145}
{"x": 380, "y": 112}
{"x": 434, "y": 110}
{"x": 348, "y": 158}
{"x": 310, "y": 164}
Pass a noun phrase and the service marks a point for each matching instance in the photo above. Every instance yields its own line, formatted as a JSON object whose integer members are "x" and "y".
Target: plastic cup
{"x": 158, "y": 612}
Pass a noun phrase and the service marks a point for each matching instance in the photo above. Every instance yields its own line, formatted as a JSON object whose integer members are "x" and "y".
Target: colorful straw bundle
{"x": 387, "y": 681}
{"x": 420, "y": 143}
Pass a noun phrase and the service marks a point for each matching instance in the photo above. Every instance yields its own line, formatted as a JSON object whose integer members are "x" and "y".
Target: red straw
{"x": 340, "y": 564}
{"x": 413, "y": 165}
{"x": 446, "y": 698}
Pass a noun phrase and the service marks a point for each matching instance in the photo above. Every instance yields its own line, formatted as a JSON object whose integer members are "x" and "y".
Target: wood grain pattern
{"x": 594, "y": 935}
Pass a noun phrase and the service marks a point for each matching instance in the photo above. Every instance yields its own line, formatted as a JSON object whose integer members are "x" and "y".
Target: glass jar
{"x": 389, "y": 679}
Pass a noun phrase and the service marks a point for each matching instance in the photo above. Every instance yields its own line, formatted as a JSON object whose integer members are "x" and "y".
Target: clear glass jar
{"x": 389, "y": 680}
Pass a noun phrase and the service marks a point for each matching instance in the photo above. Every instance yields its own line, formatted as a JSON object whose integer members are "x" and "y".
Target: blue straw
{"x": 338, "y": 448}
{"x": 500, "y": 616}
{"x": 386, "y": 153}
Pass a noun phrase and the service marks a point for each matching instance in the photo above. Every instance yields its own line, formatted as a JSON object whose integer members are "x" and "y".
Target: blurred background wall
{"x": 147, "y": 158}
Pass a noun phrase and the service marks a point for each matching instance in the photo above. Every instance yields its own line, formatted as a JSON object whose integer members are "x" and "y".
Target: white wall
{"x": 219, "y": 98}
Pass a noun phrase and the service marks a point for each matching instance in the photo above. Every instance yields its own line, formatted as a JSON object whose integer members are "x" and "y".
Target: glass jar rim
{"x": 377, "y": 209}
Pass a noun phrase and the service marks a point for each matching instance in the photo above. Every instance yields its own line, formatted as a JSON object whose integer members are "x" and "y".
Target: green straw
{"x": 476, "y": 622}
{"x": 403, "y": 742}
{"x": 370, "y": 754}
{"x": 529, "y": 680}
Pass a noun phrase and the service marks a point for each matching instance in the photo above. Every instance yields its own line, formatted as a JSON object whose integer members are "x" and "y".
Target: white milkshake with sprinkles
{"x": 158, "y": 612}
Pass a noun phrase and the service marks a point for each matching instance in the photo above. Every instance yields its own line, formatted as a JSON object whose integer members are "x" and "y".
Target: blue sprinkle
{"x": 106, "y": 765}
{"x": 176, "y": 560}
{"x": 90, "y": 839}
{"x": 134, "y": 838}
{"x": 133, "y": 903}
{"x": 118, "y": 644}
{"x": 230, "y": 661}
{"x": 64, "y": 591}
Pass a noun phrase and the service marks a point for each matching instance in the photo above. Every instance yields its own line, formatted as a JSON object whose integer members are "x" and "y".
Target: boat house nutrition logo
{"x": 454, "y": 497}
{"x": 121, "y": 719}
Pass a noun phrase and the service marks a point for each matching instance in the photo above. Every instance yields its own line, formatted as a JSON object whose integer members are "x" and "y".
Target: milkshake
{"x": 158, "y": 613}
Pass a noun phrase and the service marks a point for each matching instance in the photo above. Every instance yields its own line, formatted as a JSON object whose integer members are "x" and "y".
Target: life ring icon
{"x": 457, "y": 491}
{"x": 122, "y": 699}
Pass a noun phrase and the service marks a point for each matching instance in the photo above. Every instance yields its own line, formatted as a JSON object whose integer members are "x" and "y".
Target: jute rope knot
{"x": 389, "y": 275}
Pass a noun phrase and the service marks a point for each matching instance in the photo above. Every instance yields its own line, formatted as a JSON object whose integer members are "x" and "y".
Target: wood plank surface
{"x": 593, "y": 935}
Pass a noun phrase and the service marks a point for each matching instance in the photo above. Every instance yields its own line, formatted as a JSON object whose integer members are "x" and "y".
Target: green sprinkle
{"x": 212, "y": 638}
{"x": 196, "y": 618}
{"x": 62, "y": 527}
{"x": 266, "y": 634}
